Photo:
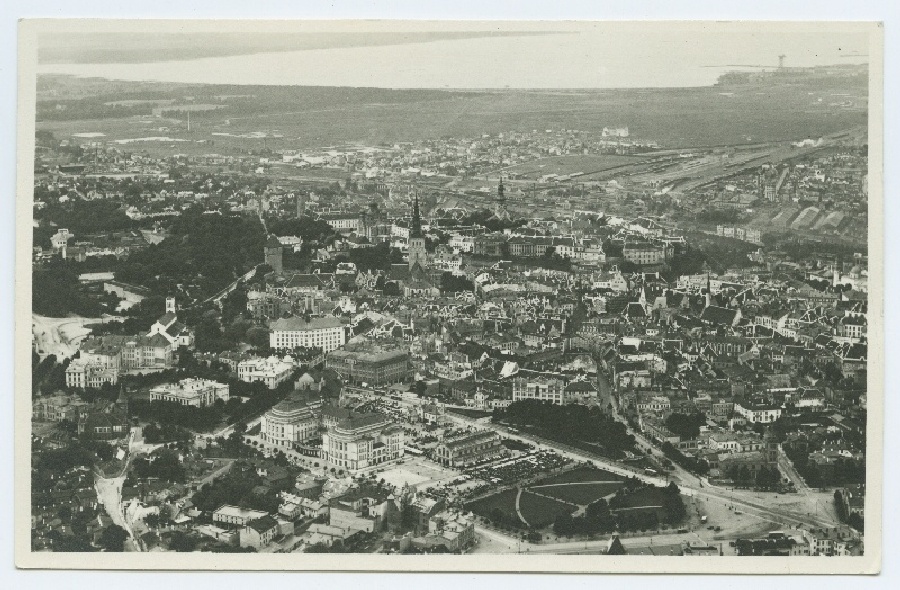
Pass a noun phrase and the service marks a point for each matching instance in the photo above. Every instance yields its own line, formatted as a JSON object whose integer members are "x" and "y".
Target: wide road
{"x": 109, "y": 495}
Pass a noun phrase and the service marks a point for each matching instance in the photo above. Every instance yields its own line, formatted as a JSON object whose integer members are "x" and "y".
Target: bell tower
{"x": 417, "y": 254}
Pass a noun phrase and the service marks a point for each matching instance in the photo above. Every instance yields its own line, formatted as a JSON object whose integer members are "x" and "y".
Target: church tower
{"x": 417, "y": 253}
{"x": 500, "y": 210}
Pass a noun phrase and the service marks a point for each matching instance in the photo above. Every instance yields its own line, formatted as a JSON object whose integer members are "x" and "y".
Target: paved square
{"x": 418, "y": 472}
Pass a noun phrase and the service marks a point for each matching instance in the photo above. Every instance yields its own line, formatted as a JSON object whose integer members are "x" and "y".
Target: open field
{"x": 578, "y": 493}
{"x": 309, "y": 117}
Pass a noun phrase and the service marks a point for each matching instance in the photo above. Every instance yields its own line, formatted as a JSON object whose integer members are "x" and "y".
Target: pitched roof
{"x": 167, "y": 319}
{"x": 300, "y": 281}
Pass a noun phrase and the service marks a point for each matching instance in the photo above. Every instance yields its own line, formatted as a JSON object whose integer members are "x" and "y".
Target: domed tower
{"x": 417, "y": 254}
{"x": 273, "y": 254}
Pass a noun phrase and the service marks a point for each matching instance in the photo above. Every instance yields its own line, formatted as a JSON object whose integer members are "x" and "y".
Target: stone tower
{"x": 417, "y": 253}
{"x": 170, "y": 305}
{"x": 273, "y": 254}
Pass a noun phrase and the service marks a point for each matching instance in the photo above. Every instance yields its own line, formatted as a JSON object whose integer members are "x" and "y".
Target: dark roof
{"x": 299, "y": 281}
{"x": 584, "y": 386}
{"x": 261, "y": 525}
{"x": 719, "y": 315}
{"x": 167, "y": 318}
{"x": 635, "y": 310}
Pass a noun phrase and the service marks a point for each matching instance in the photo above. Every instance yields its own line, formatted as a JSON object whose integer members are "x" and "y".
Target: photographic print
{"x": 449, "y": 296}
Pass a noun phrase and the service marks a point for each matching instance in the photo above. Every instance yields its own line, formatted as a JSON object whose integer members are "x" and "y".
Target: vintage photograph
{"x": 469, "y": 296}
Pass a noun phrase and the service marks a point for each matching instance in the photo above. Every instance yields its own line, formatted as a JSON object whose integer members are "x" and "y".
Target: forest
{"x": 208, "y": 251}
{"x": 56, "y": 292}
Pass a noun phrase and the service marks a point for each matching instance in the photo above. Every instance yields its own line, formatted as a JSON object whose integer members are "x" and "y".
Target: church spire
{"x": 415, "y": 231}
{"x": 708, "y": 290}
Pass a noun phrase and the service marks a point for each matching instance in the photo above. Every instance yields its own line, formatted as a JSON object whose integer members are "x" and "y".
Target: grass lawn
{"x": 644, "y": 497}
{"x": 582, "y": 474}
{"x": 578, "y": 493}
{"x": 505, "y": 501}
{"x": 540, "y": 511}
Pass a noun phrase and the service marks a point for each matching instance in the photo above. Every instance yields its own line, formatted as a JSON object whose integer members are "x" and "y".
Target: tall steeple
{"x": 417, "y": 253}
{"x": 500, "y": 207}
{"x": 708, "y": 290}
{"x": 415, "y": 230}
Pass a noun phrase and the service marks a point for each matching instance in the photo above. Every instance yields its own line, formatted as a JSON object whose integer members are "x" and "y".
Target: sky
{"x": 409, "y": 54}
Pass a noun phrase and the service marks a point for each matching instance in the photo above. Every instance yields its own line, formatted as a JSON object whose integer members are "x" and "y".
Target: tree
{"x": 673, "y": 505}
{"x": 182, "y": 543}
{"x": 564, "y": 525}
{"x": 812, "y": 475}
{"x": 839, "y": 506}
{"x": 407, "y": 518}
{"x": 497, "y": 516}
{"x": 686, "y": 426}
{"x": 451, "y": 283}
{"x": 856, "y": 521}
{"x": 616, "y": 547}
{"x": 113, "y": 538}
{"x": 257, "y": 337}
{"x": 105, "y": 451}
